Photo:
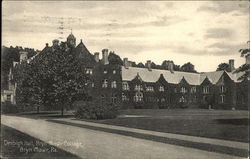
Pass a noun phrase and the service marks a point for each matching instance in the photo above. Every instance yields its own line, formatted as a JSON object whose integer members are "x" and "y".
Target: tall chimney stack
{"x": 231, "y": 65}
{"x": 171, "y": 67}
{"x": 96, "y": 55}
{"x": 148, "y": 65}
{"x": 125, "y": 63}
{"x": 105, "y": 53}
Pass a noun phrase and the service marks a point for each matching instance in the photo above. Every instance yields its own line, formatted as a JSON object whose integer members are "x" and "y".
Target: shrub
{"x": 95, "y": 110}
{"x": 7, "y": 107}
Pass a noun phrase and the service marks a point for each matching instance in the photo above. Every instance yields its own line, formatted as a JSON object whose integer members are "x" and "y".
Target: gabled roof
{"x": 235, "y": 76}
{"x": 154, "y": 74}
{"x": 175, "y": 77}
{"x": 212, "y": 76}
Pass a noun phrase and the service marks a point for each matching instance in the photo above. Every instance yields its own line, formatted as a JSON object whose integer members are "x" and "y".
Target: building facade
{"x": 117, "y": 81}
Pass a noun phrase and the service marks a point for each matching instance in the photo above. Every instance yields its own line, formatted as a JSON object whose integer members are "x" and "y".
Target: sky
{"x": 205, "y": 33}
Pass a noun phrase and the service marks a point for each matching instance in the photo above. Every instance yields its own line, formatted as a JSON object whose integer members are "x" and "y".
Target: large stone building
{"x": 117, "y": 81}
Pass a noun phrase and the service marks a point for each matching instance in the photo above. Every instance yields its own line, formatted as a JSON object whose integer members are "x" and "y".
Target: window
{"x": 113, "y": 84}
{"x": 138, "y": 97}
{"x": 206, "y": 89}
{"x": 103, "y": 99}
{"x": 105, "y": 83}
{"x": 114, "y": 98}
{"x": 193, "y": 90}
{"x": 182, "y": 100}
{"x": 183, "y": 90}
{"x": 138, "y": 88}
{"x": 161, "y": 89}
{"x": 163, "y": 100}
{"x": 8, "y": 98}
{"x": 92, "y": 84}
{"x": 222, "y": 98}
{"x": 105, "y": 71}
{"x": 150, "y": 89}
{"x": 89, "y": 71}
{"x": 125, "y": 86}
{"x": 222, "y": 89}
{"x": 124, "y": 97}
{"x": 114, "y": 71}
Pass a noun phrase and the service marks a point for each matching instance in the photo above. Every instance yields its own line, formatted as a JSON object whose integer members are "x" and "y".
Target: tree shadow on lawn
{"x": 241, "y": 121}
{"x": 16, "y": 144}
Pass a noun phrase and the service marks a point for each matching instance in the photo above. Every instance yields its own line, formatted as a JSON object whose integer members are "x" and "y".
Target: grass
{"x": 220, "y": 124}
{"x": 15, "y": 144}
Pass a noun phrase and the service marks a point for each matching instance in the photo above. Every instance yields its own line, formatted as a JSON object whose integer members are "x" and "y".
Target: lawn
{"x": 15, "y": 144}
{"x": 221, "y": 124}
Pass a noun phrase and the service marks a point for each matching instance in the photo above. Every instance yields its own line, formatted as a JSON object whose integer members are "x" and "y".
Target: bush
{"x": 7, "y": 107}
{"x": 95, "y": 110}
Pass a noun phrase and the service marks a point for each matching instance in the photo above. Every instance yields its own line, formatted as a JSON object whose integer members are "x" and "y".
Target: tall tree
{"x": 188, "y": 67}
{"x": 245, "y": 67}
{"x": 58, "y": 78}
{"x": 223, "y": 66}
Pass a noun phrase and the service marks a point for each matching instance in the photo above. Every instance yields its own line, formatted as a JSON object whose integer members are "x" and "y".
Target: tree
{"x": 114, "y": 59}
{"x": 58, "y": 78}
{"x": 188, "y": 67}
{"x": 140, "y": 65}
{"x": 223, "y": 66}
{"x": 245, "y": 67}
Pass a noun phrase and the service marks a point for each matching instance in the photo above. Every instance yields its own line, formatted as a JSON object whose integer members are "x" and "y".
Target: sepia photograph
{"x": 125, "y": 79}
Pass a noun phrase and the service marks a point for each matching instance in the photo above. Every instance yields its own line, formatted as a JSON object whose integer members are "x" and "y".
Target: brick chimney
{"x": 148, "y": 65}
{"x": 171, "y": 67}
{"x": 126, "y": 63}
{"x": 105, "y": 53}
{"x": 47, "y": 44}
{"x": 96, "y": 55}
{"x": 231, "y": 65}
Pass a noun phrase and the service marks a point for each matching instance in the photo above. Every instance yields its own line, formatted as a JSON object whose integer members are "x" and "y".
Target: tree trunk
{"x": 62, "y": 111}
{"x": 38, "y": 109}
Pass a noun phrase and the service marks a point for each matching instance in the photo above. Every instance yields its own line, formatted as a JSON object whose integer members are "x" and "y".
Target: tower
{"x": 71, "y": 40}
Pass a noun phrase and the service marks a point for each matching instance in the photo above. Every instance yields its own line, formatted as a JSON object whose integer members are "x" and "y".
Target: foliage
{"x": 188, "y": 67}
{"x": 245, "y": 67}
{"x": 54, "y": 78}
{"x": 223, "y": 66}
{"x": 8, "y": 56}
{"x": 7, "y": 107}
{"x": 95, "y": 110}
{"x": 114, "y": 59}
{"x": 140, "y": 65}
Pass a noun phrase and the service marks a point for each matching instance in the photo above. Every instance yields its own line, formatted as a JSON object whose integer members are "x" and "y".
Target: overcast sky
{"x": 205, "y": 33}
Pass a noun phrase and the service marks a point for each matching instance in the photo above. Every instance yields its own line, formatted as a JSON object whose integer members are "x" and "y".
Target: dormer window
{"x": 222, "y": 89}
{"x": 183, "y": 90}
{"x": 138, "y": 88}
{"x": 205, "y": 89}
{"x": 193, "y": 90}
{"x": 161, "y": 89}
{"x": 150, "y": 89}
